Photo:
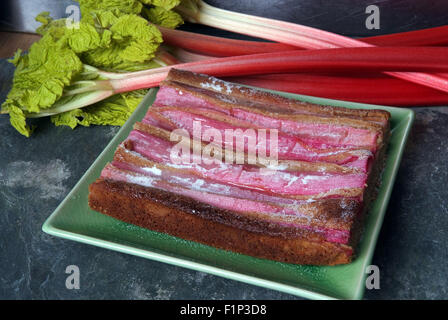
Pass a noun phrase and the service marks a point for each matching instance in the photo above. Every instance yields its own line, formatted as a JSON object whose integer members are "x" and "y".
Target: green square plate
{"x": 73, "y": 219}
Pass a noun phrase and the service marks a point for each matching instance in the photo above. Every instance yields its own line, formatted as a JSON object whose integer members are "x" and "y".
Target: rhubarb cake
{"x": 302, "y": 199}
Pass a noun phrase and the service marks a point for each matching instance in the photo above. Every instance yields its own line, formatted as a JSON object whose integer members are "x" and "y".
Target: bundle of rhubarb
{"x": 302, "y": 200}
{"x": 95, "y": 71}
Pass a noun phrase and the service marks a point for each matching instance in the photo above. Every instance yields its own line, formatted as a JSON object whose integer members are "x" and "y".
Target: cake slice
{"x": 306, "y": 206}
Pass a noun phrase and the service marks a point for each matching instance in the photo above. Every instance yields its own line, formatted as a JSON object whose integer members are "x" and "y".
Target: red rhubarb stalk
{"x": 437, "y": 36}
{"x": 288, "y": 33}
{"x": 225, "y": 47}
{"x": 165, "y": 58}
{"x": 376, "y": 90}
{"x": 373, "y": 59}
{"x": 218, "y": 46}
{"x": 343, "y": 59}
{"x": 188, "y": 56}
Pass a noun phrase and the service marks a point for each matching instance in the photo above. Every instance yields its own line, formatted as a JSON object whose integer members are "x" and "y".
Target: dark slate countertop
{"x": 37, "y": 173}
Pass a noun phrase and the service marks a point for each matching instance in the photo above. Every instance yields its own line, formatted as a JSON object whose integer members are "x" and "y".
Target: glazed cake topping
{"x": 253, "y": 161}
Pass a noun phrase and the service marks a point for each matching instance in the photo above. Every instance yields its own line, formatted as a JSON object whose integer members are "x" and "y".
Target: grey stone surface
{"x": 37, "y": 173}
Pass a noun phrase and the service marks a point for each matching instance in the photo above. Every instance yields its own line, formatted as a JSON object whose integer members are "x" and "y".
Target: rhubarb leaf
{"x": 112, "y": 35}
{"x": 165, "y": 4}
{"x": 103, "y": 39}
{"x": 55, "y": 28}
{"x": 86, "y": 38}
{"x": 18, "y": 120}
{"x": 132, "y": 41}
{"x": 70, "y": 118}
{"x": 118, "y": 7}
{"x": 41, "y": 75}
{"x": 162, "y": 17}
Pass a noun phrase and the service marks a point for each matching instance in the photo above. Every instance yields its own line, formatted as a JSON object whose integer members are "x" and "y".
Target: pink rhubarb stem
{"x": 290, "y": 34}
{"x": 342, "y": 59}
{"x": 225, "y": 47}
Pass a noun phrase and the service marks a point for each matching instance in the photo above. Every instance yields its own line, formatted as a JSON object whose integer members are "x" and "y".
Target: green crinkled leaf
{"x": 118, "y": 7}
{"x": 82, "y": 38}
{"x": 45, "y": 20}
{"x": 162, "y": 17}
{"x": 133, "y": 40}
{"x": 70, "y": 118}
{"x": 141, "y": 39}
{"x": 85, "y": 38}
{"x": 104, "y": 18}
{"x": 15, "y": 60}
{"x": 111, "y": 36}
{"x": 165, "y": 4}
{"x": 54, "y": 28}
{"x": 18, "y": 120}
{"x": 112, "y": 111}
{"x": 42, "y": 74}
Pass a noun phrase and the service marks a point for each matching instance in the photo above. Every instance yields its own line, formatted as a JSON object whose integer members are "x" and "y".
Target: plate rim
{"x": 408, "y": 116}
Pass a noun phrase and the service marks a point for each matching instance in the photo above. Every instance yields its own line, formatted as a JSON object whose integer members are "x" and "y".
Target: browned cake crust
{"x": 162, "y": 211}
{"x": 371, "y": 191}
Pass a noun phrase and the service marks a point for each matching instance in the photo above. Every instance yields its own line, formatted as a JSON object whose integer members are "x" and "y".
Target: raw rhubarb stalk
{"x": 288, "y": 33}
{"x": 387, "y": 91}
{"x": 218, "y": 46}
{"x": 343, "y": 59}
{"x": 187, "y": 56}
{"x": 224, "y": 47}
{"x": 437, "y": 36}
{"x": 164, "y": 58}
